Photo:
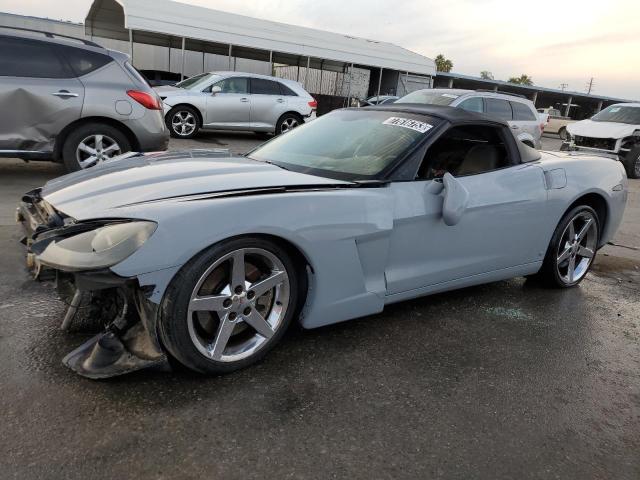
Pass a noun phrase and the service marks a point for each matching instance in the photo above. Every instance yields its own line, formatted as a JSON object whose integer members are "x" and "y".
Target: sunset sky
{"x": 554, "y": 42}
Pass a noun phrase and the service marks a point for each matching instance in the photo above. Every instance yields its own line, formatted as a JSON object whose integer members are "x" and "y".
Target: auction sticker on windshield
{"x": 408, "y": 123}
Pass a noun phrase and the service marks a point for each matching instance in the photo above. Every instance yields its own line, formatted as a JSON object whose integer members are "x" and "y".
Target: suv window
{"x": 499, "y": 108}
{"x": 465, "y": 150}
{"x": 84, "y": 61}
{"x": 284, "y": 90}
{"x": 30, "y": 58}
{"x": 261, "y": 86}
{"x": 232, "y": 85}
{"x": 473, "y": 104}
{"x": 522, "y": 112}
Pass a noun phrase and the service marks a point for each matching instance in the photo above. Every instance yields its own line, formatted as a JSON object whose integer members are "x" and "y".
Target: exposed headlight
{"x": 99, "y": 248}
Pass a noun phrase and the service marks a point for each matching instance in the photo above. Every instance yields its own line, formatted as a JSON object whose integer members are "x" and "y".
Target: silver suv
{"x": 517, "y": 110}
{"x": 71, "y": 100}
{"x": 235, "y": 101}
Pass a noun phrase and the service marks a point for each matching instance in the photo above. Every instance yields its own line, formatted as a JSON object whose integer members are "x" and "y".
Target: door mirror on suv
{"x": 216, "y": 89}
{"x": 456, "y": 198}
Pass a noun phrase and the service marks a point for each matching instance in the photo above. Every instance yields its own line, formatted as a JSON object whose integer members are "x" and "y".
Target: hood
{"x": 589, "y": 128}
{"x": 96, "y": 191}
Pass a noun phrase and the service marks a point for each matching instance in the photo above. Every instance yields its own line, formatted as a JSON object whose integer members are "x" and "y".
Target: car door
{"x": 502, "y": 227}
{"x": 267, "y": 103}
{"x": 39, "y": 95}
{"x": 231, "y": 106}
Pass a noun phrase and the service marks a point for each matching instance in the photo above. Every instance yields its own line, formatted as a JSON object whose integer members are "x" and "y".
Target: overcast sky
{"x": 554, "y": 42}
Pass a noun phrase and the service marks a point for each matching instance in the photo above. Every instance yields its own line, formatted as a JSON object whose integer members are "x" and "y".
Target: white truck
{"x": 556, "y": 122}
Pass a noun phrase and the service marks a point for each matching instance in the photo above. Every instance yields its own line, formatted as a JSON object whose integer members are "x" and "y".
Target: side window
{"x": 499, "y": 108}
{"x": 84, "y": 61}
{"x": 232, "y": 85}
{"x": 261, "y": 86}
{"x": 30, "y": 58}
{"x": 522, "y": 112}
{"x": 284, "y": 90}
{"x": 473, "y": 104}
{"x": 465, "y": 150}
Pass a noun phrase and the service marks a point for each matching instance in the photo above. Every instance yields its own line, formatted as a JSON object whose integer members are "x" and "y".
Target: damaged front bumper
{"x": 129, "y": 340}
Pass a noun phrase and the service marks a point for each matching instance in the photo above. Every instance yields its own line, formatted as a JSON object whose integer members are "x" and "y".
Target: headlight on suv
{"x": 100, "y": 248}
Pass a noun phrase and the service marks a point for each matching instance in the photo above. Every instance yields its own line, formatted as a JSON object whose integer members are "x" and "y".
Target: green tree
{"x": 521, "y": 80}
{"x": 486, "y": 75}
{"x": 443, "y": 64}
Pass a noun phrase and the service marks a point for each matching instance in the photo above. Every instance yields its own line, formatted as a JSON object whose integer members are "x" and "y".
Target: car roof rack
{"x": 53, "y": 35}
{"x": 503, "y": 93}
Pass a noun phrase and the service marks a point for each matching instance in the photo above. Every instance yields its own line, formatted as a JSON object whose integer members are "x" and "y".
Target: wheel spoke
{"x": 572, "y": 267}
{"x": 89, "y": 161}
{"x": 263, "y": 286}
{"x": 585, "y": 228}
{"x": 258, "y": 322}
{"x": 564, "y": 255}
{"x": 572, "y": 232}
{"x": 210, "y": 303}
{"x": 238, "y": 269}
{"x": 98, "y": 140}
{"x": 87, "y": 149}
{"x": 585, "y": 252}
{"x": 222, "y": 338}
{"x": 114, "y": 147}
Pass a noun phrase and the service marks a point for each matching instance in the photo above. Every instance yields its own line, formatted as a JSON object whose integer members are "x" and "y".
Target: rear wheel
{"x": 562, "y": 133}
{"x": 183, "y": 122}
{"x": 230, "y": 305}
{"x": 632, "y": 163}
{"x": 91, "y": 144}
{"x": 572, "y": 248}
{"x": 288, "y": 122}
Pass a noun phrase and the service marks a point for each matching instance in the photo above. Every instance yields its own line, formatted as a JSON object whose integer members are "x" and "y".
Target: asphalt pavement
{"x": 501, "y": 381}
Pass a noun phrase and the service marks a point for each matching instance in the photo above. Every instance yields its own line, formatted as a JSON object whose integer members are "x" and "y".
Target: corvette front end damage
{"x": 77, "y": 256}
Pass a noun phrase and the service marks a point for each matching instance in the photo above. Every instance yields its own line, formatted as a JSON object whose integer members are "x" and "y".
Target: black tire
{"x": 282, "y": 126}
{"x": 173, "y": 321}
{"x": 78, "y": 135}
{"x": 562, "y": 133}
{"x": 632, "y": 163}
{"x": 548, "y": 274}
{"x": 187, "y": 112}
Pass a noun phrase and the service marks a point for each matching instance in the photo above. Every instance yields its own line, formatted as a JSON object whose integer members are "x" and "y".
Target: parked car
{"x": 359, "y": 209}
{"x": 235, "y": 101}
{"x": 158, "y": 78}
{"x": 614, "y": 131}
{"x": 517, "y": 110}
{"x": 71, "y": 100}
{"x": 379, "y": 100}
{"x": 555, "y": 122}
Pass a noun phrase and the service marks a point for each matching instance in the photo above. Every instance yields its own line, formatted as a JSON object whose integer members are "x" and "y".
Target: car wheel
{"x": 183, "y": 122}
{"x": 632, "y": 163}
{"x": 230, "y": 305}
{"x": 562, "y": 133}
{"x": 572, "y": 248}
{"x": 288, "y": 122}
{"x": 92, "y": 144}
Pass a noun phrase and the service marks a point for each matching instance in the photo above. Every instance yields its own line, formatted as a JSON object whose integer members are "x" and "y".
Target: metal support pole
{"x": 349, "y": 91}
{"x": 406, "y": 83}
{"x": 230, "y": 47}
{"x": 203, "y": 62}
{"x": 298, "y": 74}
{"x": 182, "y": 69}
{"x": 306, "y": 73}
{"x": 566, "y": 110}
{"x": 379, "y": 85}
{"x": 599, "y": 107}
{"x": 321, "y": 74}
{"x": 450, "y": 83}
{"x": 495, "y": 88}
{"x": 535, "y": 98}
{"x": 270, "y": 62}
{"x": 131, "y": 44}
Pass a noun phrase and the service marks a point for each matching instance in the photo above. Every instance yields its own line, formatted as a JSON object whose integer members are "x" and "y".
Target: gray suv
{"x": 518, "y": 111}
{"x": 71, "y": 100}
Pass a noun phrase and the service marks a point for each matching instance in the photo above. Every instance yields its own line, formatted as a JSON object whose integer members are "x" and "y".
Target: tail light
{"x": 313, "y": 104}
{"x": 147, "y": 100}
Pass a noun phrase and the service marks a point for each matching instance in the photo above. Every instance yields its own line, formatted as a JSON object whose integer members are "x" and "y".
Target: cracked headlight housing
{"x": 100, "y": 248}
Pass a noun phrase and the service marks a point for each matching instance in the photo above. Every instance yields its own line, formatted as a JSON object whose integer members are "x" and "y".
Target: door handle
{"x": 244, "y": 100}
{"x": 515, "y": 127}
{"x": 280, "y": 100}
{"x": 64, "y": 94}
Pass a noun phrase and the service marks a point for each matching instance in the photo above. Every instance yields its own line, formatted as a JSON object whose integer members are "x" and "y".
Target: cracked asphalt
{"x": 506, "y": 380}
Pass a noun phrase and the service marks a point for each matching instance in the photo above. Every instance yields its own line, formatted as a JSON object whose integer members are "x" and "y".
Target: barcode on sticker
{"x": 408, "y": 123}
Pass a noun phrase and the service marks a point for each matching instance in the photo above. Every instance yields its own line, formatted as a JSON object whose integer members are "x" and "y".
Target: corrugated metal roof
{"x": 182, "y": 20}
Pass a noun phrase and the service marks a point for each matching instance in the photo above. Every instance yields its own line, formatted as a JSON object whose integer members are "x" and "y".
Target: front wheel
{"x": 572, "y": 248}
{"x": 562, "y": 133}
{"x": 230, "y": 305}
{"x": 632, "y": 163}
{"x": 183, "y": 122}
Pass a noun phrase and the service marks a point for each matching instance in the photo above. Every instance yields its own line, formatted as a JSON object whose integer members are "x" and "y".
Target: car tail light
{"x": 313, "y": 104}
{"x": 145, "y": 99}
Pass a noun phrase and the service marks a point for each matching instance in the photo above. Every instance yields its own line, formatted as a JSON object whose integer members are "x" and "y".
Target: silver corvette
{"x": 205, "y": 259}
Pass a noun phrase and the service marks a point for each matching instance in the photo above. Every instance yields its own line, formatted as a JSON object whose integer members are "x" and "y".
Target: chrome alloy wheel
{"x": 577, "y": 247}
{"x": 183, "y": 123}
{"x": 96, "y": 149}
{"x": 289, "y": 123}
{"x": 238, "y": 304}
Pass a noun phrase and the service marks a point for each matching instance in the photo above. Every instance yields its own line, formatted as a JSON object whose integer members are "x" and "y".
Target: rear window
{"x": 260, "y": 86}
{"x": 30, "y": 58}
{"x": 522, "y": 112}
{"x": 498, "y": 108}
{"x": 84, "y": 61}
{"x": 428, "y": 97}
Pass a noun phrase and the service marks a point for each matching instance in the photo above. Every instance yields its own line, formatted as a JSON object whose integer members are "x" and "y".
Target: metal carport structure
{"x": 188, "y": 27}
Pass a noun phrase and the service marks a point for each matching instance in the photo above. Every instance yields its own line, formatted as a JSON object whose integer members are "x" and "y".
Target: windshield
{"x": 618, "y": 114}
{"x": 200, "y": 80}
{"x": 347, "y": 144}
{"x": 429, "y": 97}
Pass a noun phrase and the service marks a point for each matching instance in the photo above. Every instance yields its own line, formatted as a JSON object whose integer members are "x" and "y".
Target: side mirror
{"x": 216, "y": 89}
{"x": 456, "y": 198}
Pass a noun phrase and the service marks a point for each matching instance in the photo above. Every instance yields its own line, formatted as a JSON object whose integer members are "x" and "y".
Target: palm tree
{"x": 486, "y": 75}
{"x": 443, "y": 64}
{"x": 522, "y": 80}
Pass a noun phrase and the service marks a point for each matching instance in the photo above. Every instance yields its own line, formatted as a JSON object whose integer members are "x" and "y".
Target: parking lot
{"x": 506, "y": 380}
